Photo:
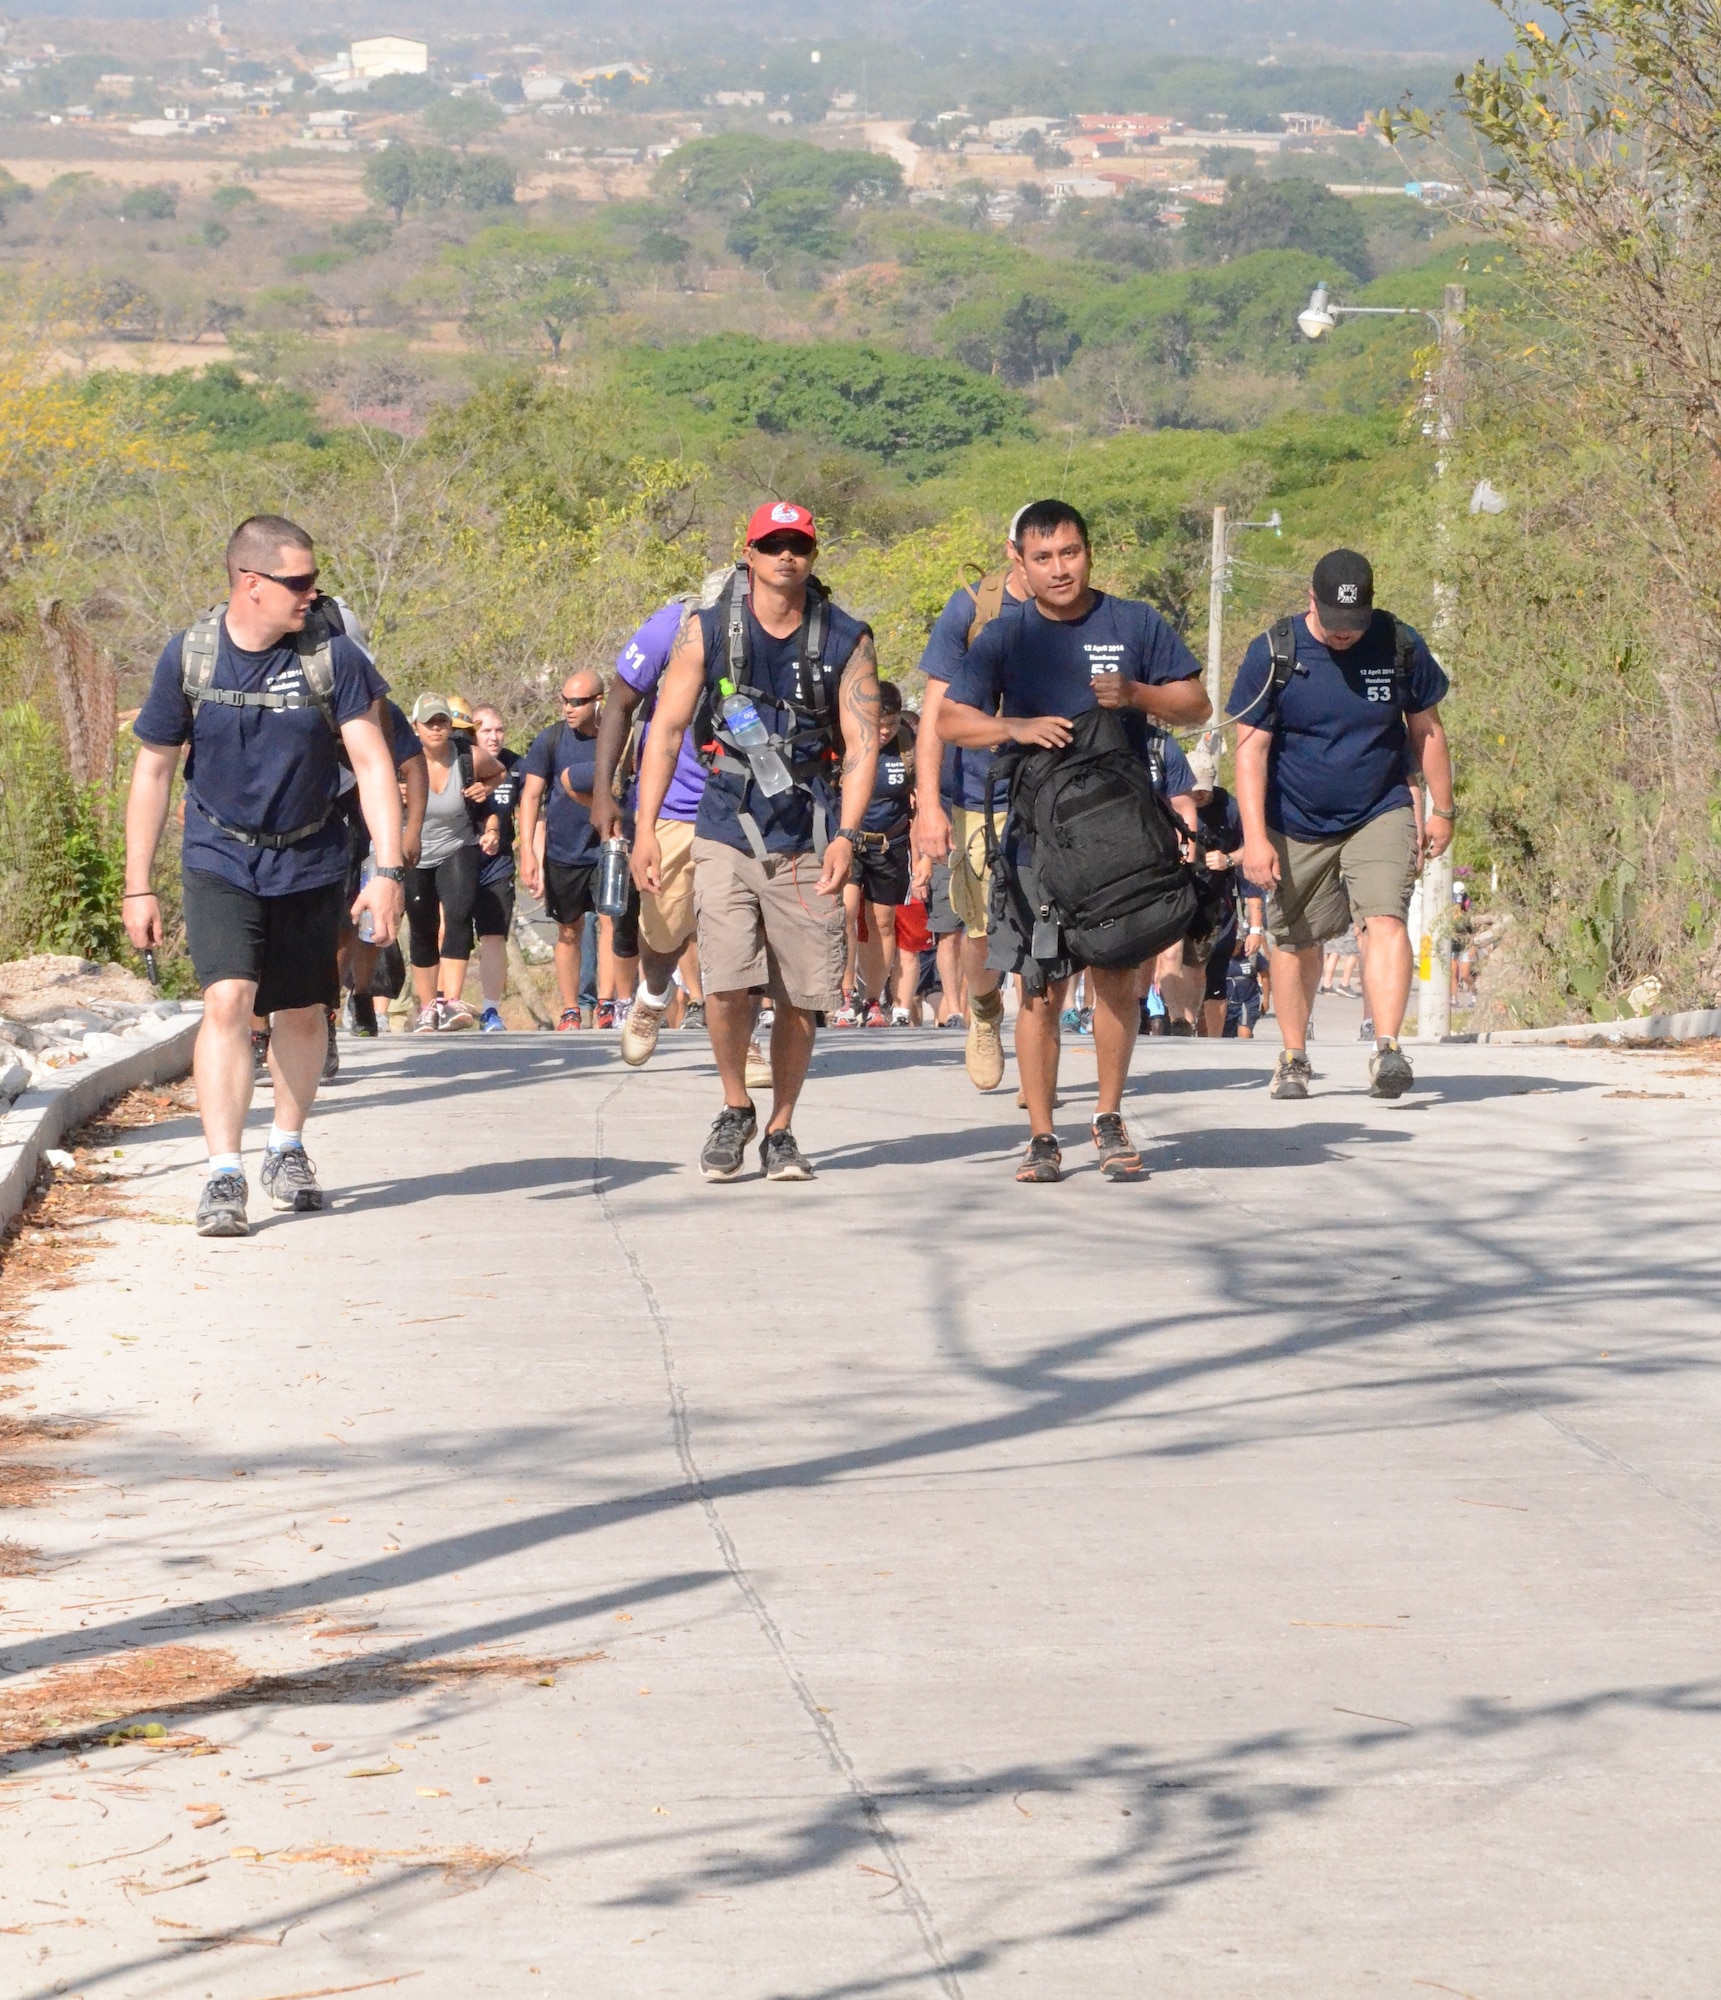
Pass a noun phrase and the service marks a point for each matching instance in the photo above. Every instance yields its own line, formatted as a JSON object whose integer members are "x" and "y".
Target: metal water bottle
{"x": 613, "y": 879}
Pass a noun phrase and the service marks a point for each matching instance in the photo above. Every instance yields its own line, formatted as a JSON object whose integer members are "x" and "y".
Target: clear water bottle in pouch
{"x": 613, "y": 878}
{"x": 753, "y": 739}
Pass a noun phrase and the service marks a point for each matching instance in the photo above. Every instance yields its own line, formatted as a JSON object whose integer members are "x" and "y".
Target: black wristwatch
{"x": 851, "y": 834}
{"x": 391, "y": 874}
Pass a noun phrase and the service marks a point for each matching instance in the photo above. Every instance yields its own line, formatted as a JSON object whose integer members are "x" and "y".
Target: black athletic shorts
{"x": 568, "y": 892}
{"x": 493, "y": 908}
{"x": 883, "y": 872}
{"x": 1219, "y": 962}
{"x": 286, "y": 944}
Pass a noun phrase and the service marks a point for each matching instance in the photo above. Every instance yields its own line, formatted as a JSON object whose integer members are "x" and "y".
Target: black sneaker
{"x": 783, "y": 1160}
{"x": 1292, "y": 1075}
{"x": 332, "y": 1055}
{"x": 364, "y": 1014}
{"x": 290, "y": 1181}
{"x": 1043, "y": 1161}
{"x": 725, "y": 1152}
{"x": 260, "y": 1054}
{"x": 1389, "y": 1071}
{"x": 221, "y": 1206}
{"x": 1119, "y": 1160}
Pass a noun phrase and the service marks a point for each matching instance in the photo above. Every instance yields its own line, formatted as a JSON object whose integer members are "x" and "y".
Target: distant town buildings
{"x": 389, "y": 55}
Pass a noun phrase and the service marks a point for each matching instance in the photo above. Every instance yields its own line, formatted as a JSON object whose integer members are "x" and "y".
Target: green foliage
{"x": 234, "y": 415}
{"x": 1279, "y": 215}
{"x": 522, "y": 282}
{"x": 231, "y": 195}
{"x": 62, "y": 849}
{"x": 736, "y": 170}
{"x": 158, "y": 202}
{"x": 1020, "y": 339}
{"x": 458, "y": 120}
{"x": 364, "y": 235}
{"x": 12, "y": 191}
{"x": 432, "y": 177}
{"x": 911, "y": 413}
{"x": 787, "y": 222}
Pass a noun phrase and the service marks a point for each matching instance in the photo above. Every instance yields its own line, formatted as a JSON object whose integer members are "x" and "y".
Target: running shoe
{"x": 984, "y": 1054}
{"x": 1389, "y": 1071}
{"x": 1366, "y": 1032}
{"x": 783, "y": 1160}
{"x": 725, "y": 1151}
{"x": 260, "y": 1054}
{"x": 1070, "y": 1020}
{"x": 1022, "y": 1101}
{"x": 695, "y": 1014}
{"x": 876, "y": 1017}
{"x": 453, "y": 1017}
{"x": 427, "y": 1020}
{"x": 1085, "y": 1026}
{"x": 1119, "y": 1160}
{"x": 758, "y": 1067}
{"x": 605, "y": 1016}
{"x": 899, "y": 1017}
{"x": 639, "y": 1034}
{"x": 364, "y": 1015}
{"x": 1043, "y": 1161}
{"x": 569, "y": 1022}
{"x": 221, "y": 1206}
{"x": 844, "y": 1017}
{"x": 1292, "y": 1075}
{"x": 955, "y": 1021}
{"x": 491, "y": 1021}
{"x": 332, "y": 1054}
{"x": 290, "y": 1181}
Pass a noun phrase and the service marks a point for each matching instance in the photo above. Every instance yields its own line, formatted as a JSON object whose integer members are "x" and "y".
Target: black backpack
{"x": 1108, "y": 851}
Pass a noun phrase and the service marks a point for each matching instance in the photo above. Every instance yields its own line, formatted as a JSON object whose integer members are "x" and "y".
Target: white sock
{"x": 647, "y": 998}
{"x": 281, "y": 1142}
{"x": 225, "y": 1163}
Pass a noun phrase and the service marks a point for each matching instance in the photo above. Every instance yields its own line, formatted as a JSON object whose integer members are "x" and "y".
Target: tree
{"x": 458, "y": 120}
{"x": 159, "y": 202}
{"x": 388, "y": 179}
{"x": 517, "y": 287}
{"x": 431, "y": 177}
{"x": 738, "y": 169}
{"x": 787, "y": 221}
{"x": 1278, "y": 215}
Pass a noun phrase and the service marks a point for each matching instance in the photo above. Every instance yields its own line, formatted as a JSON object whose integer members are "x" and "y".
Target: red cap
{"x": 780, "y": 517}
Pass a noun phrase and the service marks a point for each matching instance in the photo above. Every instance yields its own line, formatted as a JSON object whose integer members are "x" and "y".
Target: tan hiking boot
{"x": 758, "y": 1068}
{"x": 639, "y": 1034}
{"x": 985, "y": 1051}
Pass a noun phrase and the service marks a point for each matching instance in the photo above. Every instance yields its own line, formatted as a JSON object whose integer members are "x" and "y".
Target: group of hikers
{"x": 750, "y": 802}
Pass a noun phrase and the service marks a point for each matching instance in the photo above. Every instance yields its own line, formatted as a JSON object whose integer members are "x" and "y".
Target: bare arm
{"x": 1260, "y": 860}
{"x": 931, "y": 821}
{"x": 678, "y": 695}
{"x": 415, "y": 795}
{"x": 858, "y": 725}
{"x": 373, "y": 766}
{"x": 531, "y": 799}
{"x": 974, "y": 729}
{"x": 1178, "y": 702}
{"x": 1431, "y": 750}
{"x": 145, "y": 816}
{"x": 613, "y": 728}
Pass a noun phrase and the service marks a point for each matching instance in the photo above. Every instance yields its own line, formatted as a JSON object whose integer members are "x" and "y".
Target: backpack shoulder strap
{"x": 1282, "y": 644}
{"x": 988, "y": 596}
{"x": 199, "y": 645}
{"x": 1403, "y": 658}
{"x": 315, "y": 646}
{"x": 734, "y": 603}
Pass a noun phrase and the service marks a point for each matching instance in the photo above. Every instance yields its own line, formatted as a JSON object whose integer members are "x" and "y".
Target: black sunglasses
{"x": 578, "y": 700}
{"x": 298, "y": 585}
{"x": 785, "y": 545}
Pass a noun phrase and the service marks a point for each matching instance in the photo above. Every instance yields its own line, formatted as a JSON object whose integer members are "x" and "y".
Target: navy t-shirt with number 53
{"x": 1339, "y": 741}
{"x": 262, "y": 769}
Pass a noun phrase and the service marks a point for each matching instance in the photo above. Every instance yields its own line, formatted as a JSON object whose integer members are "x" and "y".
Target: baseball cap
{"x": 780, "y": 517}
{"x": 460, "y": 712}
{"x": 1204, "y": 769}
{"x": 1012, "y": 535}
{"x": 1344, "y": 590}
{"x": 429, "y": 706}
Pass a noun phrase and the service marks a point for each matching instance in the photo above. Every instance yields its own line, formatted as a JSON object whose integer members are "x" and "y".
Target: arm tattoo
{"x": 689, "y": 628}
{"x": 858, "y": 699}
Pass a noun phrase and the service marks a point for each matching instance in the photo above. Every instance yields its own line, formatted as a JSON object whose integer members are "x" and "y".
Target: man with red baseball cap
{"x": 781, "y": 688}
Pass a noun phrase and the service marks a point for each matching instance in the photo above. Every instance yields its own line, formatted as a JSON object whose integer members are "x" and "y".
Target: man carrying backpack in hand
{"x": 1326, "y": 706}
{"x": 1047, "y": 681}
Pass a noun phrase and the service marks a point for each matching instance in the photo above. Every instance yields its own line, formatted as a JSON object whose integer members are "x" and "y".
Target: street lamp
{"x": 1320, "y": 315}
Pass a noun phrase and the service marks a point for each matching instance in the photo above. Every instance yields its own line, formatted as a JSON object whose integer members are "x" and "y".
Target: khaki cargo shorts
{"x": 763, "y": 923}
{"x": 666, "y": 919}
{"x": 1326, "y": 885}
{"x": 970, "y": 878}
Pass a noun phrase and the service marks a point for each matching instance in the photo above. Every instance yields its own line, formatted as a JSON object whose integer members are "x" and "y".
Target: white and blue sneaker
{"x": 491, "y": 1021}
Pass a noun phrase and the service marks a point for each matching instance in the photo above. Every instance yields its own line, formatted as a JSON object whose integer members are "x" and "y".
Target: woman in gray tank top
{"x": 441, "y": 890}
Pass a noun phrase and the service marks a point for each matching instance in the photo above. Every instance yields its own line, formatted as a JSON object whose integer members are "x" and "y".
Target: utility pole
{"x": 1434, "y": 955}
{"x": 1218, "y": 572}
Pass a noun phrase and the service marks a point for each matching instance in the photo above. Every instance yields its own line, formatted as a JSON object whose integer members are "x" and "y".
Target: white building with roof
{"x": 390, "y": 55}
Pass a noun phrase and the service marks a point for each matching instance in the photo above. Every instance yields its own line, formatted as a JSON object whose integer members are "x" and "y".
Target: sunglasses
{"x": 300, "y": 586}
{"x": 578, "y": 700}
{"x": 785, "y": 545}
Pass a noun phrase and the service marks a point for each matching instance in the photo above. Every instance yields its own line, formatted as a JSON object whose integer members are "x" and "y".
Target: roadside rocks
{"x": 56, "y": 1011}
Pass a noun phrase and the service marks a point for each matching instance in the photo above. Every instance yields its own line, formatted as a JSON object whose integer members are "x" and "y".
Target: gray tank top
{"x": 447, "y": 824}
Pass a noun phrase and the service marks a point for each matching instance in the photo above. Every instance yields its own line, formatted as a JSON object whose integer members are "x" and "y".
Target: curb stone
{"x": 42, "y": 1118}
{"x": 1696, "y": 1026}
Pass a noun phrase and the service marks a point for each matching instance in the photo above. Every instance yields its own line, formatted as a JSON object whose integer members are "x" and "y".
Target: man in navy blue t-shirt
{"x": 266, "y": 849}
{"x": 556, "y": 777}
{"x": 784, "y": 685}
{"x": 951, "y": 789}
{"x": 1072, "y": 649}
{"x": 1328, "y": 825}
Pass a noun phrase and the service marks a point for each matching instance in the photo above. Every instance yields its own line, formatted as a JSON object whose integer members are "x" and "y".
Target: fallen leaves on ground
{"x": 16, "y": 1560}
{"x": 206, "y": 1680}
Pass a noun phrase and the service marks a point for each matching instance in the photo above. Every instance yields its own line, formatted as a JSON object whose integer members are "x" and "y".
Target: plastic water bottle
{"x": 613, "y": 880}
{"x": 367, "y": 923}
{"x": 741, "y": 719}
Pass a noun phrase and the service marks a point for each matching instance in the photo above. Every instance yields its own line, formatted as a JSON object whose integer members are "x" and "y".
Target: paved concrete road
{"x": 1294, "y": 1576}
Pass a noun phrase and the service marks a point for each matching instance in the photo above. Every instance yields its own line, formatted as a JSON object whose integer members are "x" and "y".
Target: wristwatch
{"x": 1448, "y": 813}
{"x": 391, "y": 874}
{"x": 851, "y": 834}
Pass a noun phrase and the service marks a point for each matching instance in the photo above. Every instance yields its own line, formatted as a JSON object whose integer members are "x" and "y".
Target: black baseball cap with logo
{"x": 1344, "y": 591}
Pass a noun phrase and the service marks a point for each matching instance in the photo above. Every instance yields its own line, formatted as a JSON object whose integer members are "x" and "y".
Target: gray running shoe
{"x": 290, "y": 1181}
{"x": 1043, "y": 1161}
{"x": 725, "y": 1152}
{"x": 783, "y": 1160}
{"x": 453, "y": 1017}
{"x": 425, "y": 1021}
{"x": 1389, "y": 1072}
{"x": 221, "y": 1206}
{"x": 1292, "y": 1075}
{"x": 695, "y": 1015}
{"x": 332, "y": 1056}
{"x": 260, "y": 1055}
{"x": 1119, "y": 1160}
